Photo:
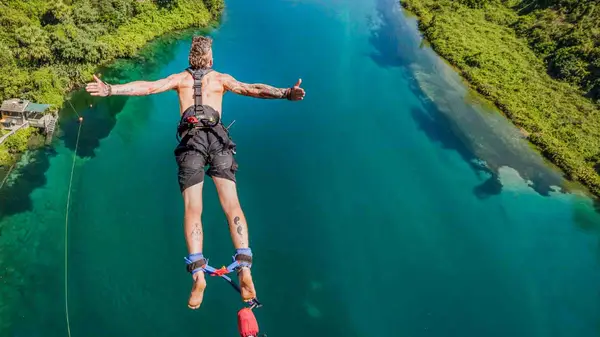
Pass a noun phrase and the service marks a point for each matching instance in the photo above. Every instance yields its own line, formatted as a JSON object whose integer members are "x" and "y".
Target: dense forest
{"x": 538, "y": 60}
{"x": 48, "y": 48}
{"x": 565, "y": 33}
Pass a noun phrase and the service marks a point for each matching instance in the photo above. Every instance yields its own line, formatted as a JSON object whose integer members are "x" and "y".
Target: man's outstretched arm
{"x": 137, "y": 88}
{"x": 259, "y": 90}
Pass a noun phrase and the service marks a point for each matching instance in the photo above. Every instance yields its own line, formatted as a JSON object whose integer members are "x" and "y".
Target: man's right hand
{"x": 97, "y": 88}
{"x": 296, "y": 93}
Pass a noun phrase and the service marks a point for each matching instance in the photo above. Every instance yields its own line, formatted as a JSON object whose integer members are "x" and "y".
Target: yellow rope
{"x": 67, "y": 229}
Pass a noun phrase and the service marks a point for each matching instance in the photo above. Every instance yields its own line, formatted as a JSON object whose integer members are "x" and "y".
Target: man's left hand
{"x": 296, "y": 93}
{"x": 98, "y": 88}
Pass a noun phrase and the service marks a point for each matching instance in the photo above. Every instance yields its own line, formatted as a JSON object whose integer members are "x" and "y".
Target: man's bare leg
{"x": 192, "y": 199}
{"x": 237, "y": 227}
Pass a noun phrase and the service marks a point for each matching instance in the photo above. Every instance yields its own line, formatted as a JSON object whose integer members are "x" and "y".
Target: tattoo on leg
{"x": 236, "y": 221}
{"x": 197, "y": 232}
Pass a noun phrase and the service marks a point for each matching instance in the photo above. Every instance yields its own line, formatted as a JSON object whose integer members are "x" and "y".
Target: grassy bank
{"x": 49, "y": 48}
{"x": 480, "y": 41}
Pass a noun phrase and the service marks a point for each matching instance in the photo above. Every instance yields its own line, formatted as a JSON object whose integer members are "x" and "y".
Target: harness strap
{"x": 198, "y": 74}
{"x": 202, "y": 119}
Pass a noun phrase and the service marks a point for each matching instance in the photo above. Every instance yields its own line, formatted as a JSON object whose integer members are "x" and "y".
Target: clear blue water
{"x": 390, "y": 202}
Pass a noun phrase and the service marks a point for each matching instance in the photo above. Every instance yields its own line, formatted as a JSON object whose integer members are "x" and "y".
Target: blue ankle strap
{"x": 242, "y": 258}
{"x": 243, "y": 251}
{"x": 196, "y": 262}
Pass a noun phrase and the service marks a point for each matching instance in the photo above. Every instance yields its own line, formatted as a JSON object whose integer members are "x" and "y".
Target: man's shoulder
{"x": 179, "y": 76}
{"x": 188, "y": 72}
{"x": 217, "y": 73}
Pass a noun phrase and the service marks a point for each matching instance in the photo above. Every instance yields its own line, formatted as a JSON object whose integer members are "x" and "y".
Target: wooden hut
{"x": 15, "y": 112}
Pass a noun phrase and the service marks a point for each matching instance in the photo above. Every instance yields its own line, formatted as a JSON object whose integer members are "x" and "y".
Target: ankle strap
{"x": 241, "y": 259}
{"x": 195, "y": 263}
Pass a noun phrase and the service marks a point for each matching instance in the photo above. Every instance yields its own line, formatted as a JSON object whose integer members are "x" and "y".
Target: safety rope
{"x": 67, "y": 226}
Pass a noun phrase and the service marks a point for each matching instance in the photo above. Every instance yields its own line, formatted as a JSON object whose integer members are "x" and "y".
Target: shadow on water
{"x": 394, "y": 48}
{"x": 439, "y": 129}
{"x": 451, "y": 120}
{"x": 392, "y": 41}
{"x": 98, "y": 121}
{"x": 14, "y": 196}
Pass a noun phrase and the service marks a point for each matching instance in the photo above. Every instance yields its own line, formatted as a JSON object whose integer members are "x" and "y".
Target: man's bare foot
{"x": 197, "y": 291}
{"x": 246, "y": 284}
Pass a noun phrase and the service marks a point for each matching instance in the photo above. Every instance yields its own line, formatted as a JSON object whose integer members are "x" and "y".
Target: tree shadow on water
{"x": 438, "y": 128}
{"x": 31, "y": 174}
{"x": 14, "y": 196}
{"x": 98, "y": 121}
{"x": 389, "y": 38}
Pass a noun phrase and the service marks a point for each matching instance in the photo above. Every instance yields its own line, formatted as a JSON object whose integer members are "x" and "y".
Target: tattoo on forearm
{"x": 238, "y": 225}
{"x": 142, "y": 88}
{"x": 197, "y": 232}
{"x": 257, "y": 90}
{"x": 121, "y": 91}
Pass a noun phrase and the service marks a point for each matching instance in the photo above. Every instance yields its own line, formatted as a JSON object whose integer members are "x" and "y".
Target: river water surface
{"x": 390, "y": 202}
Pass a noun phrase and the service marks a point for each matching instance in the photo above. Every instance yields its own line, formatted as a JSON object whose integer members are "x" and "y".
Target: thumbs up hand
{"x": 296, "y": 93}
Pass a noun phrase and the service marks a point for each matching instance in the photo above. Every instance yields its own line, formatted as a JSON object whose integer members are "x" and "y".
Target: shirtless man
{"x": 205, "y": 142}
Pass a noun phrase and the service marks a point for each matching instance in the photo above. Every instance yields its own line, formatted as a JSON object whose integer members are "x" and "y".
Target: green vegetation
{"x": 483, "y": 39}
{"x": 566, "y": 34}
{"x": 15, "y": 144}
{"x": 5, "y": 156}
{"x": 48, "y": 48}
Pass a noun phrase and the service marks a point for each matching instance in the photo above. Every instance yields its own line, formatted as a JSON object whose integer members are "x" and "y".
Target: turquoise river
{"x": 392, "y": 201}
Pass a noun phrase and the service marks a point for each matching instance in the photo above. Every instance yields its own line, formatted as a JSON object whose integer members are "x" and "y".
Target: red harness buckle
{"x": 192, "y": 119}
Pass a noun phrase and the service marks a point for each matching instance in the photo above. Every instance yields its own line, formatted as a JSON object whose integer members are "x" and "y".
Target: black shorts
{"x": 201, "y": 148}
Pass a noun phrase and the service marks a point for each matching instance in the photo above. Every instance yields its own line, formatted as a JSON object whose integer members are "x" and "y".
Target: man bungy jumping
{"x": 205, "y": 142}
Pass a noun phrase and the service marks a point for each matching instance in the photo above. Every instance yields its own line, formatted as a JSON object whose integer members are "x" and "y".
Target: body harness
{"x": 202, "y": 117}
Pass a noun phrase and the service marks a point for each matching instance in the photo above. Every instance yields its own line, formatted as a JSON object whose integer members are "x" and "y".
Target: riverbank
{"x": 25, "y": 139}
{"x": 71, "y": 48}
{"x": 554, "y": 115}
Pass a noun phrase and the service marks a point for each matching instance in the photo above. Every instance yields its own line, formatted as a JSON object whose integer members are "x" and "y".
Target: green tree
{"x": 215, "y": 7}
{"x": 33, "y": 45}
{"x": 5, "y": 157}
{"x": 57, "y": 13}
{"x": 17, "y": 142}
